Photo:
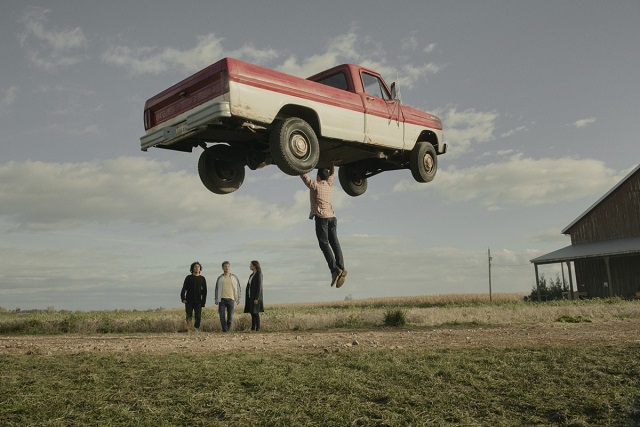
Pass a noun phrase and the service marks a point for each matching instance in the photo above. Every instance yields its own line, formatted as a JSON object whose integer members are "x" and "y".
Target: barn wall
{"x": 616, "y": 217}
{"x": 625, "y": 276}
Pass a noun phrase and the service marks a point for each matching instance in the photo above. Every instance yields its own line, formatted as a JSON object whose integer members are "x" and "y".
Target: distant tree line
{"x": 50, "y": 309}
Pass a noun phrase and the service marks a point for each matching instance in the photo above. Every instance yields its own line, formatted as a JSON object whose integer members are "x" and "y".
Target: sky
{"x": 539, "y": 102}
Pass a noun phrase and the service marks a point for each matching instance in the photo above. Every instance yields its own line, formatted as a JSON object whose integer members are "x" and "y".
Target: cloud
{"x": 409, "y": 43}
{"x": 341, "y": 48}
{"x": 50, "y": 48}
{"x": 429, "y": 48}
{"x": 584, "y": 122}
{"x": 468, "y": 127}
{"x": 512, "y": 132}
{"x": 127, "y": 190}
{"x": 550, "y": 235}
{"x": 350, "y": 47}
{"x": 522, "y": 181}
{"x": 83, "y": 279}
{"x": 207, "y": 50}
{"x": 147, "y": 277}
{"x": 354, "y": 48}
{"x": 7, "y": 98}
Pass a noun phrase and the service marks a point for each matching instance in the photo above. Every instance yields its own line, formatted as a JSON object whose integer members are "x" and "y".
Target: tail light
{"x": 147, "y": 119}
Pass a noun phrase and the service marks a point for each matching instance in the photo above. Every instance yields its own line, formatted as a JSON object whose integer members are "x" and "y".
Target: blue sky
{"x": 539, "y": 102}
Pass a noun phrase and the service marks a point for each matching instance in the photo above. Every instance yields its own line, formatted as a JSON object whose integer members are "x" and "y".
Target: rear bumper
{"x": 185, "y": 125}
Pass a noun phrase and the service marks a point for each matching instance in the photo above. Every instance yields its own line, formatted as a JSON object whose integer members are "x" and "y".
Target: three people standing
{"x": 227, "y": 295}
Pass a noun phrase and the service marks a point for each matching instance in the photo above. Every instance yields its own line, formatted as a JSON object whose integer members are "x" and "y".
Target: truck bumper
{"x": 183, "y": 126}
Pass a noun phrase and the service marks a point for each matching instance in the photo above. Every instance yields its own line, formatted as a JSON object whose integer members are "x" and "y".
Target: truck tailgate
{"x": 195, "y": 90}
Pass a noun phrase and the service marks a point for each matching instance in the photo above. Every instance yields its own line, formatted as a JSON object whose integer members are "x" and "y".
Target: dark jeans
{"x": 327, "y": 233}
{"x": 225, "y": 309}
{"x": 255, "y": 321}
{"x": 191, "y": 309}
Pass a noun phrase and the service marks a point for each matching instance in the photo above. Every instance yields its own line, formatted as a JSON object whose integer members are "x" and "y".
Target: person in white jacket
{"x": 227, "y": 295}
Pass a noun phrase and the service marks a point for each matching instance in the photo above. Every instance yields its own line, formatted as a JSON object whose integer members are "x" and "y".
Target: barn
{"x": 605, "y": 245}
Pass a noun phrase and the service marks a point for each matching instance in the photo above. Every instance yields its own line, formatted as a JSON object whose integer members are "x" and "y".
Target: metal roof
{"x": 566, "y": 229}
{"x": 605, "y": 248}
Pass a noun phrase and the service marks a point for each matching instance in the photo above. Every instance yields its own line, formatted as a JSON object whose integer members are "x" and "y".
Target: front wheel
{"x": 423, "y": 162}
{"x": 352, "y": 180}
{"x": 219, "y": 171}
{"x": 294, "y": 146}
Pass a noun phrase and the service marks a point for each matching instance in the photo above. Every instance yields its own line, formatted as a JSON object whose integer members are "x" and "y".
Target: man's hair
{"x": 193, "y": 265}
{"x": 225, "y": 262}
{"x": 323, "y": 174}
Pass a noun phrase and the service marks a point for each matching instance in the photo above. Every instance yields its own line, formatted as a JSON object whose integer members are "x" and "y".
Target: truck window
{"x": 339, "y": 81}
{"x": 374, "y": 86}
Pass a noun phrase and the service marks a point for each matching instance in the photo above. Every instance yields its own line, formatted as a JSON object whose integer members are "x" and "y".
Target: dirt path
{"x": 330, "y": 341}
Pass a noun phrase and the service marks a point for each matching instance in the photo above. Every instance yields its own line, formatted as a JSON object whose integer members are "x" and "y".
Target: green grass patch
{"x": 574, "y": 319}
{"x": 395, "y": 317}
{"x": 557, "y": 385}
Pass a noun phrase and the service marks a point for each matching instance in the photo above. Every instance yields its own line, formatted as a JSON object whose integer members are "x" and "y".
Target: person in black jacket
{"x": 194, "y": 296}
{"x": 253, "y": 303}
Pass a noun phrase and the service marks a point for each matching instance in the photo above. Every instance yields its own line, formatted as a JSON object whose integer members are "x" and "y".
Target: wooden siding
{"x": 591, "y": 275}
{"x": 616, "y": 217}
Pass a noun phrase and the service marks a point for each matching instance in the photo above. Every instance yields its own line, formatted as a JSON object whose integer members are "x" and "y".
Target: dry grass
{"x": 425, "y": 311}
{"x": 447, "y": 310}
{"x": 414, "y": 301}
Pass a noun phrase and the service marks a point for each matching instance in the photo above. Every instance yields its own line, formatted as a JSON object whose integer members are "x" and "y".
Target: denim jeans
{"x": 225, "y": 309}
{"x": 192, "y": 309}
{"x": 327, "y": 233}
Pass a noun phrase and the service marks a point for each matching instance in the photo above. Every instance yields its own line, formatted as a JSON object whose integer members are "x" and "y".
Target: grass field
{"x": 581, "y": 384}
{"x": 426, "y": 311}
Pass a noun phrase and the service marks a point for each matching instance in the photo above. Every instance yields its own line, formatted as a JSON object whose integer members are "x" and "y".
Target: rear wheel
{"x": 294, "y": 146}
{"x": 219, "y": 171}
{"x": 423, "y": 162}
{"x": 352, "y": 180}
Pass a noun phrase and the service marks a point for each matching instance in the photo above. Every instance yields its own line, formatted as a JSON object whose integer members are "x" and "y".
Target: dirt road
{"x": 330, "y": 341}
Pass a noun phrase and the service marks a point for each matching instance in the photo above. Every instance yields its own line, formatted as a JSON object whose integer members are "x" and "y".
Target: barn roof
{"x": 629, "y": 175}
{"x": 605, "y": 248}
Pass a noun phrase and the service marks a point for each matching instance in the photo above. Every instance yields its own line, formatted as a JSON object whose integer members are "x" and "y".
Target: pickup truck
{"x": 244, "y": 115}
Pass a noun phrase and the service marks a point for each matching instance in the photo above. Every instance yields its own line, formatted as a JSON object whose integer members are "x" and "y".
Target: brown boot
{"x": 341, "y": 278}
{"x": 335, "y": 275}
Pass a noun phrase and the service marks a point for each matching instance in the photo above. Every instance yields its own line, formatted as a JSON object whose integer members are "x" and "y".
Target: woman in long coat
{"x": 253, "y": 303}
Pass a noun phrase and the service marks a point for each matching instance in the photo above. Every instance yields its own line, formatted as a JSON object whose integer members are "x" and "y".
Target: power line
{"x": 511, "y": 265}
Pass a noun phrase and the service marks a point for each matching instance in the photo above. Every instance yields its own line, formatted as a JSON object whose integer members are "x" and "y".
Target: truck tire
{"x": 352, "y": 180}
{"x": 219, "y": 171}
{"x": 294, "y": 146}
{"x": 423, "y": 162}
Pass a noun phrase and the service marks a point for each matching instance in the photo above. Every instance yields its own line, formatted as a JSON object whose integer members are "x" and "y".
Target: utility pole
{"x": 489, "y": 257}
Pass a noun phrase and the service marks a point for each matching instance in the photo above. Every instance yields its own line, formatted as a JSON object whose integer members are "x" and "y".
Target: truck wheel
{"x": 294, "y": 146}
{"x": 352, "y": 180}
{"x": 423, "y": 162}
{"x": 218, "y": 170}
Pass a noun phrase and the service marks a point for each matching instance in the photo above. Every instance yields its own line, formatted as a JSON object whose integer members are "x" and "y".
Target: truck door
{"x": 383, "y": 122}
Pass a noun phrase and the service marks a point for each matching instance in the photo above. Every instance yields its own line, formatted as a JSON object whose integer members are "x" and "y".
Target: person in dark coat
{"x": 253, "y": 302}
{"x": 194, "y": 296}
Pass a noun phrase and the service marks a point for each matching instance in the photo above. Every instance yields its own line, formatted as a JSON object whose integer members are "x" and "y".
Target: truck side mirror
{"x": 393, "y": 90}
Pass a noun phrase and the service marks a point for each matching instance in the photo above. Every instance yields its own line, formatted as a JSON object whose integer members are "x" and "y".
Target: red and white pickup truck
{"x": 242, "y": 114}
